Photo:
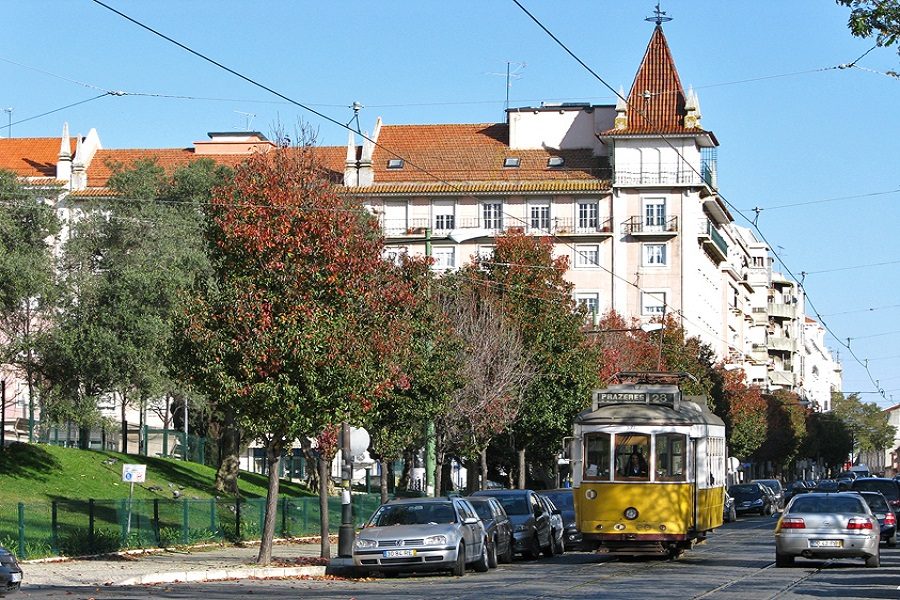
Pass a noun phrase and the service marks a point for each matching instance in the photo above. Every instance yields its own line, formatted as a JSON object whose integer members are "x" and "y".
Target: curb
{"x": 223, "y": 574}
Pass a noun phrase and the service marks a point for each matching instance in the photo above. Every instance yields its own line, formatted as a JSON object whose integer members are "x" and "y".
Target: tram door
{"x": 695, "y": 485}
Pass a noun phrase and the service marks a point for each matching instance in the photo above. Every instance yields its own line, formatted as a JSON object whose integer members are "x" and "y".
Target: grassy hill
{"x": 41, "y": 473}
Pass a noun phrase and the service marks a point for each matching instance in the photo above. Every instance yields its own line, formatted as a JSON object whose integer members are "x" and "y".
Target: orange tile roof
{"x": 487, "y": 187}
{"x": 656, "y": 100}
{"x": 471, "y": 153}
{"x": 31, "y": 157}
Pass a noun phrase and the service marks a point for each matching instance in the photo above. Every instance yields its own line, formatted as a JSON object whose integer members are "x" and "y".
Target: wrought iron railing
{"x": 638, "y": 224}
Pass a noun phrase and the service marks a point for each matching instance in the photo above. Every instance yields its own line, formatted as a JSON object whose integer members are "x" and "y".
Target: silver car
{"x": 422, "y": 534}
{"x": 827, "y": 526}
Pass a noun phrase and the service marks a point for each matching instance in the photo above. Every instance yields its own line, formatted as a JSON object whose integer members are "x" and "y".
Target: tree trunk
{"x": 438, "y": 470}
{"x": 484, "y": 471}
{"x": 471, "y": 476}
{"x": 383, "y": 480}
{"x": 124, "y": 424}
{"x": 521, "y": 453}
{"x": 323, "y": 507}
{"x": 273, "y": 462}
{"x": 229, "y": 461}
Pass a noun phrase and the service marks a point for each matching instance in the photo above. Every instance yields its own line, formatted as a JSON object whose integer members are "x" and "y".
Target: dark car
{"x": 498, "y": 527}
{"x": 564, "y": 500}
{"x": 795, "y": 488}
{"x": 777, "y": 491}
{"x": 886, "y": 518}
{"x": 889, "y": 488}
{"x": 752, "y": 497}
{"x": 826, "y": 486}
{"x": 557, "y": 526}
{"x": 10, "y": 572}
{"x": 530, "y": 520}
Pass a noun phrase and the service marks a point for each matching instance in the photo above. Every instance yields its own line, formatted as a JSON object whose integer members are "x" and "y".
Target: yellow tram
{"x": 648, "y": 467}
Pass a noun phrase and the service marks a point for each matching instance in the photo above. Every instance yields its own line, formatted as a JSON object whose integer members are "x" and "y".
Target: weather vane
{"x": 660, "y": 17}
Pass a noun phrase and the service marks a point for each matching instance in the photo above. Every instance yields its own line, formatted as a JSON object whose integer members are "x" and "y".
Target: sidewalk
{"x": 201, "y": 564}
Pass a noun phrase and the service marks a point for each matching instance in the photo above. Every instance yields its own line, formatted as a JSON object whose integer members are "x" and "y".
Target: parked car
{"x": 729, "y": 511}
{"x": 886, "y": 517}
{"x": 422, "y": 534}
{"x": 826, "y": 486}
{"x": 827, "y": 526}
{"x": 795, "y": 488}
{"x": 557, "y": 527}
{"x": 531, "y": 521}
{"x": 777, "y": 491}
{"x": 752, "y": 497}
{"x": 10, "y": 572}
{"x": 498, "y": 528}
{"x": 889, "y": 488}
{"x": 564, "y": 500}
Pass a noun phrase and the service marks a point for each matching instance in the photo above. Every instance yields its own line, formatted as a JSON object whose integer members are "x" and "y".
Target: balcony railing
{"x": 777, "y": 309}
{"x": 782, "y": 344}
{"x": 569, "y": 226}
{"x": 713, "y": 240}
{"x": 666, "y": 174}
{"x": 637, "y": 225}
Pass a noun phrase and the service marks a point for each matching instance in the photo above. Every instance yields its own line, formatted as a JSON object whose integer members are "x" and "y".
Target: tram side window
{"x": 632, "y": 456}
{"x": 596, "y": 461}
{"x": 670, "y": 458}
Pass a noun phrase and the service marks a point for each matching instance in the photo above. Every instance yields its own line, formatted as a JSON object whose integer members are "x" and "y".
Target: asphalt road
{"x": 736, "y": 563}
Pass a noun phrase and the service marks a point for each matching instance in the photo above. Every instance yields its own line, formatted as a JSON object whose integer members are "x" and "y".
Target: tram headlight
{"x": 631, "y": 513}
{"x": 590, "y": 494}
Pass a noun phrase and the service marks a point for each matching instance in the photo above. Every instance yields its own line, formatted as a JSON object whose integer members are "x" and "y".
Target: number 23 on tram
{"x": 648, "y": 468}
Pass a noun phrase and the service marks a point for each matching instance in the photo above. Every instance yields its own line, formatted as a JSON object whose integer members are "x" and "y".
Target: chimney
{"x": 64, "y": 163}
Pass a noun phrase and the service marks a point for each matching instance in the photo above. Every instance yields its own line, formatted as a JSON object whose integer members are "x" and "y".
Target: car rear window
{"x": 887, "y": 488}
{"x": 876, "y": 503}
{"x": 830, "y": 504}
{"x": 562, "y": 500}
{"x": 483, "y": 509}
{"x": 514, "y": 505}
{"x": 745, "y": 492}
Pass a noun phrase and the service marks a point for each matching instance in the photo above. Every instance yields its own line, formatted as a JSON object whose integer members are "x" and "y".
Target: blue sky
{"x": 793, "y": 129}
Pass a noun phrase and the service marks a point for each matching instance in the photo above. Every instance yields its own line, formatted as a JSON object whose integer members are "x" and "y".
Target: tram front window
{"x": 632, "y": 456}
{"x": 670, "y": 457}
{"x": 596, "y": 456}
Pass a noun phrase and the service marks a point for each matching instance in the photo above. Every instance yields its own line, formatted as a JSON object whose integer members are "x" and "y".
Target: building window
{"x": 444, "y": 215}
{"x": 492, "y": 215}
{"x": 444, "y": 257}
{"x": 556, "y": 161}
{"x": 590, "y": 301}
{"x": 654, "y": 214}
{"x": 511, "y": 162}
{"x": 588, "y": 216}
{"x": 587, "y": 256}
{"x": 395, "y": 163}
{"x": 653, "y": 304}
{"x": 394, "y": 219}
{"x": 486, "y": 253}
{"x": 539, "y": 215}
{"x": 596, "y": 456}
{"x": 394, "y": 254}
{"x": 655, "y": 255}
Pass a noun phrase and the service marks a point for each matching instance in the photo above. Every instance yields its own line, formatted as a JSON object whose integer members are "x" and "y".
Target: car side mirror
{"x": 557, "y": 512}
{"x": 470, "y": 520}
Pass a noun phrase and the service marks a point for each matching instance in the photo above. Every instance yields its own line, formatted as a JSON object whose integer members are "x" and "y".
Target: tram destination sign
{"x": 635, "y": 397}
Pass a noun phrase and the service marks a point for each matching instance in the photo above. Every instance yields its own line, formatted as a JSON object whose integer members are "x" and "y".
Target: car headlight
{"x": 362, "y": 544}
{"x": 520, "y": 527}
{"x": 757, "y": 501}
{"x": 436, "y": 540}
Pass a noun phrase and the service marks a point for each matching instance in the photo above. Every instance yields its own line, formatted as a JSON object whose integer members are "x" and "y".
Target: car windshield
{"x": 745, "y": 492}
{"x": 418, "y": 513}
{"x": 562, "y": 500}
{"x": 483, "y": 509}
{"x": 827, "y": 504}
{"x": 772, "y": 484}
{"x": 514, "y": 505}
{"x": 887, "y": 487}
{"x": 876, "y": 502}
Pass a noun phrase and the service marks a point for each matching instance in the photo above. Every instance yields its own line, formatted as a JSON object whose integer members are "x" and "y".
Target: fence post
{"x": 123, "y": 522}
{"x": 237, "y": 519}
{"x": 22, "y": 530}
{"x": 54, "y": 528}
{"x": 184, "y": 522}
{"x": 91, "y": 524}
{"x": 305, "y": 516}
{"x": 156, "y": 522}
{"x": 213, "y": 522}
{"x": 284, "y": 511}
{"x": 201, "y": 445}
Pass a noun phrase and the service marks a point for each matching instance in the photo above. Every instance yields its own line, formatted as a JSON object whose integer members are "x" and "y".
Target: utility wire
{"x": 780, "y": 206}
{"x": 879, "y": 264}
{"x": 56, "y": 110}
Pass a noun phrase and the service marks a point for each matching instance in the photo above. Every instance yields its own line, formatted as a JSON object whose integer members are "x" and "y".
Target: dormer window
{"x": 511, "y": 162}
{"x": 395, "y": 163}
{"x": 556, "y": 161}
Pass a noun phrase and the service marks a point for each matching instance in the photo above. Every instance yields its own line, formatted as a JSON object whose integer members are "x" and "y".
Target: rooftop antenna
{"x": 513, "y": 71}
{"x": 9, "y": 112}
{"x": 660, "y": 16}
{"x": 356, "y": 106}
{"x": 248, "y": 118}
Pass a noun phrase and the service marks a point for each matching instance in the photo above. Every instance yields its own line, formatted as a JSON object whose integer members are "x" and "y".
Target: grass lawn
{"x": 42, "y": 473}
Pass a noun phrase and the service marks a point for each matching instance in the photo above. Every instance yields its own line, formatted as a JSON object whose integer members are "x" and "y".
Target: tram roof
{"x": 685, "y": 413}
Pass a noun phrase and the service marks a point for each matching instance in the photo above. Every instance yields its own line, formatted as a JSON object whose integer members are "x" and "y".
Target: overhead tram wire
{"x": 665, "y": 138}
{"x": 794, "y": 204}
{"x": 56, "y": 110}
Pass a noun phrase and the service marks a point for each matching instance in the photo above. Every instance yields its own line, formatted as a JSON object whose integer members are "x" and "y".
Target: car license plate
{"x": 15, "y": 577}
{"x": 826, "y": 543}
{"x": 398, "y": 553}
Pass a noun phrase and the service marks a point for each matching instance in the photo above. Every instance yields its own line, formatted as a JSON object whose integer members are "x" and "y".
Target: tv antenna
{"x": 660, "y": 16}
{"x": 248, "y": 118}
{"x": 356, "y": 106}
{"x": 9, "y": 112}
{"x": 513, "y": 71}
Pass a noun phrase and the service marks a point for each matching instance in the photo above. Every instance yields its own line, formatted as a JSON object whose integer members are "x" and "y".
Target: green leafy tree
{"x": 27, "y": 283}
{"x": 868, "y": 425}
{"x": 745, "y": 411}
{"x": 306, "y": 324}
{"x": 828, "y": 440}
{"x": 786, "y": 428}
{"x": 878, "y": 18}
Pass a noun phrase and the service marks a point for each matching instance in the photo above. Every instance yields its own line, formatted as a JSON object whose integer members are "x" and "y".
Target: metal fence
{"x": 86, "y": 527}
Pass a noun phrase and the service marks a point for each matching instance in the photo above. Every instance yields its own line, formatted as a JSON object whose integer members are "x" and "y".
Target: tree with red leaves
{"x": 306, "y": 324}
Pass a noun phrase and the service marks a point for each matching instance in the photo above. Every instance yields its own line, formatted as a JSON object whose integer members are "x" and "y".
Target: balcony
{"x": 785, "y": 311}
{"x": 782, "y": 344}
{"x": 782, "y": 378}
{"x": 576, "y": 227}
{"x": 713, "y": 242}
{"x": 637, "y": 226}
{"x": 659, "y": 175}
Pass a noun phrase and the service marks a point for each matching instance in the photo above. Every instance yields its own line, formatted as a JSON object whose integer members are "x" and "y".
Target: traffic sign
{"x": 134, "y": 473}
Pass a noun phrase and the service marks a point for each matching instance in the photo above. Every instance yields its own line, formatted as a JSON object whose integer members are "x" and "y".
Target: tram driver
{"x": 636, "y": 466}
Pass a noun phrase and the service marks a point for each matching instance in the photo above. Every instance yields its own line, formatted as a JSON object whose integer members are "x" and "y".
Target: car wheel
{"x": 459, "y": 569}
{"x": 550, "y": 550}
{"x": 493, "y": 559}
{"x": 510, "y": 550}
{"x": 892, "y": 541}
{"x": 874, "y": 562}
{"x": 733, "y": 515}
{"x": 483, "y": 562}
{"x": 783, "y": 560}
{"x": 559, "y": 545}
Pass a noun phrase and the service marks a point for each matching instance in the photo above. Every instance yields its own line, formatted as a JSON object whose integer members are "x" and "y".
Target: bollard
{"x": 22, "y": 531}
{"x": 91, "y": 524}
{"x": 156, "y": 522}
{"x": 184, "y": 522}
{"x": 54, "y": 528}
